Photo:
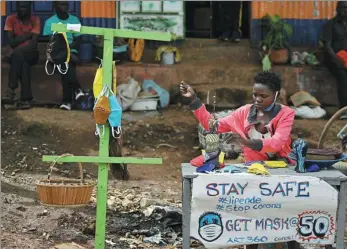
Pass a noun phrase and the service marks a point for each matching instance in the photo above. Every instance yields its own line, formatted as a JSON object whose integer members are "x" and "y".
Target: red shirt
{"x": 14, "y": 24}
{"x": 240, "y": 122}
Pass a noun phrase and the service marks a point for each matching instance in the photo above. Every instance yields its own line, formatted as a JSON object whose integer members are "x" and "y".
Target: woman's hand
{"x": 187, "y": 91}
{"x": 233, "y": 137}
{"x": 237, "y": 138}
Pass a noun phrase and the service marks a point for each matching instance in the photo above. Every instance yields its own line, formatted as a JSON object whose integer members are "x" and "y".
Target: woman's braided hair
{"x": 269, "y": 79}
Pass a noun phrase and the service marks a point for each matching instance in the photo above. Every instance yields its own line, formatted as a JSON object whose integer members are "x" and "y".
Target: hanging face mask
{"x": 101, "y": 111}
{"x": 97, "y": 84}
{"x": 269, "y": 108}
{"x": 115, "y": 118}
{"x": 58, "y": 53}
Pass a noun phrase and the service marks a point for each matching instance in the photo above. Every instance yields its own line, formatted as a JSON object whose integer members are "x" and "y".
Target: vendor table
{"x": 333, "y": 177}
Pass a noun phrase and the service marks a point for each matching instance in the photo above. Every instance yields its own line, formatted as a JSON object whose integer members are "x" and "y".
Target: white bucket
{"x": 168, "y": 58}
{"x": 145, "y": 104}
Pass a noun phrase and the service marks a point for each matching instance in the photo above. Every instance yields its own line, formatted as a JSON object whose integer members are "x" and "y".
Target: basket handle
{"x": 56, "y": 162}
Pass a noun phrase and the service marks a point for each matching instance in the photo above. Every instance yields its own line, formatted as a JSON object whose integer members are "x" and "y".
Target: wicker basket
{"x": 64, "y": 192}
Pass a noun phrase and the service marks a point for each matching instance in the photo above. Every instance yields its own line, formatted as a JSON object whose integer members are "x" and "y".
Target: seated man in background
{"x": 71, "y": 87}
{"x": 23, "y": 30}
{"x": 334, "y": 37}
{"x": 229, "y": 20}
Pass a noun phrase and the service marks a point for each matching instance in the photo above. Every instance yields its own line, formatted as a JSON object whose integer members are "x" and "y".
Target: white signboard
{"x": 173, "y": 6}
{"x": 160, "y": 23}
{"x": 130, "y": 6}
{"x": 242, "y": 209}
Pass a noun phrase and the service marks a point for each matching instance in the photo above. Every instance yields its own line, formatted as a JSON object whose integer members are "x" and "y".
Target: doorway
{"x": 206, "y": 19}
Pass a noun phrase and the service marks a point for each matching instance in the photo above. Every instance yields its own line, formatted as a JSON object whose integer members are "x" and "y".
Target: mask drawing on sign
{"x": 210, "y": 226}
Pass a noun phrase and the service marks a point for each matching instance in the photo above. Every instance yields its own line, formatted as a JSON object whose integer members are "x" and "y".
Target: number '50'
{"x": 318, "y": 226}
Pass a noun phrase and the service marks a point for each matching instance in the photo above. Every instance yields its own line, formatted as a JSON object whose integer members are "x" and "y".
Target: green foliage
{"x": 277, "y": 32}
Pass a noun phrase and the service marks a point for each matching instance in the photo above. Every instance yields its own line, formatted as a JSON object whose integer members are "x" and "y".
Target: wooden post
{"x": 103, "y": 159}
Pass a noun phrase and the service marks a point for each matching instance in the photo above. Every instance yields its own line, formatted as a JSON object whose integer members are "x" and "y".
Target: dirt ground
{"x": 27, "y": 135}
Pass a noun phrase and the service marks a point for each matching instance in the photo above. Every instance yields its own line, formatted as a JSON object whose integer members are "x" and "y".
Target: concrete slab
{"x": 206, "y": 65}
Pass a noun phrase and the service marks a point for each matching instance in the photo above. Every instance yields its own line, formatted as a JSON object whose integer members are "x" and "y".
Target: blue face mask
{"x": 115, "y": 118}
{"x": 269, "y": 108}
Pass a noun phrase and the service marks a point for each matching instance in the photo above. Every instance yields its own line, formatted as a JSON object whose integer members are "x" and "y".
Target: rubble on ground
{"x": 135, "y": 219}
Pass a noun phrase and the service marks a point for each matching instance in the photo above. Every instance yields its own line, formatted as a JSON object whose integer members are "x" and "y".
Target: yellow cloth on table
{"x": 275, "y": 164}
{"x": 258, "y": 169}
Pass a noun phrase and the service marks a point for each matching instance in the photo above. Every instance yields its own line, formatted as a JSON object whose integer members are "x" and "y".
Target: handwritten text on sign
{"x": 242, "y": 209}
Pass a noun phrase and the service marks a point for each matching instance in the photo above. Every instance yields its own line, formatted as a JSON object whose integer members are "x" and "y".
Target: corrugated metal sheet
{"x": 306, "y": 18}
{"x": 98, "y": 14}
{"x": 3, "y": 8}
{"x": 99, "y": 22}
{"x": 100, "y": 9}
{"x": 294, "y": 9}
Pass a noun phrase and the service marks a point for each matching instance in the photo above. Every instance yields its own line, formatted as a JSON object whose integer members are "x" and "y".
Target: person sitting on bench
{"x": 23, "y": 30}
{"x": 229, "y": 13}
{"x": 71, "y": 87}
{"x": 334, "y": 38}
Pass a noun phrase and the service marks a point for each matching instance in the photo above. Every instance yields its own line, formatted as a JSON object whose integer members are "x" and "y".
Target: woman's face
{"x": 263, "y": 97}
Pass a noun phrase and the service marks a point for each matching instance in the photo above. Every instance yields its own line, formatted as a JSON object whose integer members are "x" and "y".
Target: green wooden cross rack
{"x": 103, "y": 159}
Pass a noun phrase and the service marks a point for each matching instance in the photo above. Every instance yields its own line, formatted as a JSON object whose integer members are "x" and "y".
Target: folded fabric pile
{"x": 306, "y": 106}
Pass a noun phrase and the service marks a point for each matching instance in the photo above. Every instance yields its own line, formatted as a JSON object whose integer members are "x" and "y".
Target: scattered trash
{"x": 148, "y": 212}
{"x": 68, "y": 246}
{"x": 32, "y": 228}
{"x": 127, "y": 93}
{"x": 149, "y": 103}
{"x": 166, "y": 145}
{"x": 89, "y": 229}
{"x": 21, "y": 208}
{"x": 306, "y": 106}
{"x": 109, "y": 242}
{"x": 304, "y": 58}
{"x": 44, "y": 213}
{"x": 155, "y": 239}
{"x": 309, "y": 112}
{"x": 304, "y": 98}
{"x": 168, "y": 49}
{"x": 141, "y": 217}
{"x": 151, "y": 86}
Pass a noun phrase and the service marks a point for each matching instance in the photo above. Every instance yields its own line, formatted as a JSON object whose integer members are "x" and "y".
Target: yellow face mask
{"x": 97, "y": 84}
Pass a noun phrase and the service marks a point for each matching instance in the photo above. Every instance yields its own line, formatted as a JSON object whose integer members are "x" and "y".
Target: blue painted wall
{"x": 306, "y": 32}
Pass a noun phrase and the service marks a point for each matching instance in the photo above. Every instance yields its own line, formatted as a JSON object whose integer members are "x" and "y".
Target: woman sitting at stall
{"x": 262, "y": 128}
